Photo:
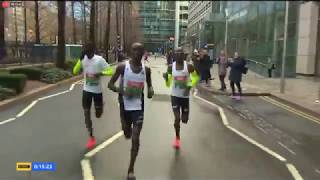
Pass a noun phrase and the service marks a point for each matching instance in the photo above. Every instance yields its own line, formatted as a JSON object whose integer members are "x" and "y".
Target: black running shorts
{"x": 181, "y": 105}
{"x": 87, "y": 100}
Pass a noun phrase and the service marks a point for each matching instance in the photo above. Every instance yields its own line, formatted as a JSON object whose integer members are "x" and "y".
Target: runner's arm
{"x": 193, "y": 76}
{"x": 114, "y": 78}
{"x": 168, "y": 76}
{"x": 149, "y": 82}
{"x": 107, "y": 70}
{"x": 77, "y": 67}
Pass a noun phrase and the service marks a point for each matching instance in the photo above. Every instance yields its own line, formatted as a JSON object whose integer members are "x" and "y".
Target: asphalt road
{"x": 54, "y": 130}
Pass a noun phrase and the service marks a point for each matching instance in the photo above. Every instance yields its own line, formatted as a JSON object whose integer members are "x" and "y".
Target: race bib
{"x": 91, "y": 80}
{"x": 180, "y": 82}
{"x": 134, "y": 88}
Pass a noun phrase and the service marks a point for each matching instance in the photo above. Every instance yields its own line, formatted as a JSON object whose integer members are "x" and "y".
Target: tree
{"x": 2, "y": 41}
{"x": 25, "y": 31}
{"x": 36, "y": 16}
{"x": 73, "y": 23}
{"x": 92, "y": 22}
{"x": 107, "y": 35}
{"x": 61, "y": 30}
{"x": 117, "y": 20}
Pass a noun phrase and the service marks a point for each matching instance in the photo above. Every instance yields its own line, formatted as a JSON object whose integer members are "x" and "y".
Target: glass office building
{"x": 256, "y": 31}
{"x": 158, "y": 23}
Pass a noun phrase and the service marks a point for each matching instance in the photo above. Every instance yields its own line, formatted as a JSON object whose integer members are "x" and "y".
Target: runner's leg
{"x": 176, "y": 112}
{"x": 185, "y": 110}
{"x": 86, "y": 104}
{"x": 98, "y": 104}
{"x": 137, "y": 126}
{"x": 125, "y": 120}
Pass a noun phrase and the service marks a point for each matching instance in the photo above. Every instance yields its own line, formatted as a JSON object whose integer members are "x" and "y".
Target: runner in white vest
{"x": 183, "y": 78}
{"x": 131, "y": 98}
{"x": 93, "y": 67}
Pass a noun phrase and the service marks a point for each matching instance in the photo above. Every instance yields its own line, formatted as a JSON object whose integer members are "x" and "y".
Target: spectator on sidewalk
{"x": 237, "y": 66}
{"x": 222, "y": 62}
{"x": 204, "y": 67}
{"x": 169, "y": 56}
{"x": 271, "y": 67}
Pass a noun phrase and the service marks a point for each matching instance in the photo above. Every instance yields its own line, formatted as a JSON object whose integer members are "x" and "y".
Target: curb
{"x": 213, "y": 91}
{"x": 294, "y": 105}
{"x": 41, "y": 90}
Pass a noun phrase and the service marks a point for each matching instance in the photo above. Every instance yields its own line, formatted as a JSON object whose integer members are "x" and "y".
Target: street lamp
{"x": 226, "y": 31}
{"x": 282, "y": 81}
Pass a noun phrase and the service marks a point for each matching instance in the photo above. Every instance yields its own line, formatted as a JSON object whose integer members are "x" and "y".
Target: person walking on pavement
{"x": 271, "y": 67}
{"x": 94, "y": 67}
{"x": 237, "y": 69}
{"x": 195, "y": 60}
{"x": 131, "y": 98}
{"x": 169, "y": 56}
{"x": 183, "y": 77}
{"x": 222, "y": 62}
{"x": 204, "y": 67}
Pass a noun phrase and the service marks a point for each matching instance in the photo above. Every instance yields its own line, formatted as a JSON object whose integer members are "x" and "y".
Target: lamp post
{"x": 284, "y": 53}
{"x": 226, "y": 31}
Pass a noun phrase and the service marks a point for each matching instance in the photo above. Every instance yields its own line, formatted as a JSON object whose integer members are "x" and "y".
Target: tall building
{"x": 198, "y": 10}
{"x": 256, "y": 31}
{"x": 158, "y": 23}
{"x": 181, "y": 22}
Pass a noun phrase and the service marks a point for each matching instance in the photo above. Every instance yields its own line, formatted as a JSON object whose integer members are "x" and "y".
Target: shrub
{"x": 5, "y": 93}
{"x": 70, "y": 64}
{"x": 4, "y": 71}
{"x": 54, "y": 75}
{"x": 33, "y": 73}
{"x": 14, "y": 81}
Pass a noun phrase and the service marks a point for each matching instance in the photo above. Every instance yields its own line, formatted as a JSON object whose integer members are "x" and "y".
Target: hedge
{"x": 54, "y": 75}
{"x": 33, "y": 73}
{"x": 13, "y": 81}
{"x": 5, "y": 93}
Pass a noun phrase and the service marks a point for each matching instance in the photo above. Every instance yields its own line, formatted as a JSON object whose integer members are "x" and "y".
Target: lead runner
{"x": 131, "y": 98}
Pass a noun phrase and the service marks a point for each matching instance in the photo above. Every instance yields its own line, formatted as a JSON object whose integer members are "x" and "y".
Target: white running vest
{"x": 180, "y": 80}
{"x": 133, "y": 82}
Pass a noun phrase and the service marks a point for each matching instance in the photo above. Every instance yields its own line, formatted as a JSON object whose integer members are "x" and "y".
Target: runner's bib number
{"x": 134, "y": 88}
{"x": 180, "y": 82}
{"x": 91, "y": 80}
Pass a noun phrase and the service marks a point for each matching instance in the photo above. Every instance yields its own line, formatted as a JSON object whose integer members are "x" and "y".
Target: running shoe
{"x": 91, "y": 143}
{"x": 176, "y": 143}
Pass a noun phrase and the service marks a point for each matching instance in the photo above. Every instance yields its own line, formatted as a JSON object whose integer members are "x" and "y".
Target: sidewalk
{"x": 300, "y": 91}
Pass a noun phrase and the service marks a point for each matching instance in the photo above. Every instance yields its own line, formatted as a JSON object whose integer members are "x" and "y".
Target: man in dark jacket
{"x": 204, "y": 66}
{"x": 237, "y": 68}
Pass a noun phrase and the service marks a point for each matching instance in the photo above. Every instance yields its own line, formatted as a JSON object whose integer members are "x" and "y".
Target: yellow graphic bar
{"x": 23, "y": 166}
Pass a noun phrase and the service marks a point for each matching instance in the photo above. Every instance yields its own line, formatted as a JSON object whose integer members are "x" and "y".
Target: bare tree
{"x": 61, "y": 30}
{"x": 16, "y": 26}
{"x": 2, "y": 41}
{"x": 84, "y": 22}
{"x": 107, "y": 35}
{"x": 117, "y": 20}
{"x": 36, "y": 16}
{"x": 123, "y": 26}
{"x": 73, "y": 23}
{"x": 25, "y": 32}
{"x": 92, "y": 22}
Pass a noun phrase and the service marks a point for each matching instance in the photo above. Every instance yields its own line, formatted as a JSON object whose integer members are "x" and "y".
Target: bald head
{"x": 137, "y": 51}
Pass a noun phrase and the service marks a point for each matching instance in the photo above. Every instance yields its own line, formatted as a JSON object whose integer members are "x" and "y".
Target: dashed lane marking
{"x": 86, "y": 169}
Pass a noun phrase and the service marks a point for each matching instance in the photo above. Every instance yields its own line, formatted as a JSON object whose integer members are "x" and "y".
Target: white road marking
{"x": 288, "y": 149}
{"x": 261, "y": 129}
{"x": 86, "y": 170}
{"x": 27, "y": 108}
{"x": 317, "y": 171}
{"x": 103, "y": 145}
{"x": 7, "y": 121}
{"x": 53, "y": 95}
{"x": 294, "y": 172}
